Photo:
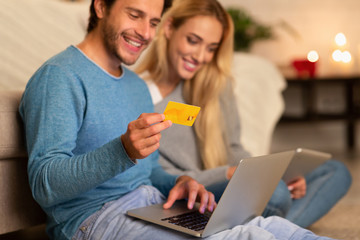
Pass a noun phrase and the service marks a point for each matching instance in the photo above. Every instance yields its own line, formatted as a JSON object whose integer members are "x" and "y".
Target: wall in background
{"x": 317, "y": 23}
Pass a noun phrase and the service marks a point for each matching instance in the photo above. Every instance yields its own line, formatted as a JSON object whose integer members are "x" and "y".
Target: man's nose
{"x": 145, "y": 31}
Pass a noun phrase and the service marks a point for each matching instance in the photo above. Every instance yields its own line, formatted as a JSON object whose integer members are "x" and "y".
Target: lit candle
{"x": 341, "y": 58}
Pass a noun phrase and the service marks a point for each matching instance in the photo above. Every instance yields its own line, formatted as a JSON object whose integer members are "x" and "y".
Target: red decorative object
{"x": 304, "y": 68}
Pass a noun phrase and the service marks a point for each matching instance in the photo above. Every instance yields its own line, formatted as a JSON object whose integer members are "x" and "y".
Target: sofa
{"x": 37, "y": 29}
{"x": 18, "y": 210}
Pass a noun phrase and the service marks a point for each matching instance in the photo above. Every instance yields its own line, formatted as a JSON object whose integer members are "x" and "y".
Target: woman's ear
{"x": 168, "y": 28}
{"x": 99, "y": 8}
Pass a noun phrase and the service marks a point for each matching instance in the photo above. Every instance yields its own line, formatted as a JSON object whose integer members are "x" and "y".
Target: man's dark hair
{"x": 167, "y": 4}
{"x": 93, "y": 19}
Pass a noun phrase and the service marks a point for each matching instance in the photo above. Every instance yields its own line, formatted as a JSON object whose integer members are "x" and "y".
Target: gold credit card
{"x": 181, "y": 113}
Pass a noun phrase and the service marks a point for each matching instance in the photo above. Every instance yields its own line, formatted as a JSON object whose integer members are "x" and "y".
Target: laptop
{"x": 245, "y": 197}
{"x": 304, "y": 161}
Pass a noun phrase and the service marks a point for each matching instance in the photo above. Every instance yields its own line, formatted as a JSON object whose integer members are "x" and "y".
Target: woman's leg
{"x": 326, "y": 185}
{"x": 280, "y": 201}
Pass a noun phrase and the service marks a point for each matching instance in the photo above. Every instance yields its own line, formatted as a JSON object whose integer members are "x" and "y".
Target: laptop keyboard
{"x": 192, "y": 220}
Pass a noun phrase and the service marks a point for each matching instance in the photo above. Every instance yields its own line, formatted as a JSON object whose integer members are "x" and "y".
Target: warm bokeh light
{"x": 346, "y": 57}
{"x": 339, "y": 56}
{"x": 313, "y": 56}
{"x": 340, "y": 39}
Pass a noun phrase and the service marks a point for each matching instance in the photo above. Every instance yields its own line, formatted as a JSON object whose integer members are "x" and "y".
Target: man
{"x": 92, "y": 135}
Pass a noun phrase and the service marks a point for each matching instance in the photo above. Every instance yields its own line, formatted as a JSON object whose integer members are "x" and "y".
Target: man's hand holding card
{"x": 180, "y": 113}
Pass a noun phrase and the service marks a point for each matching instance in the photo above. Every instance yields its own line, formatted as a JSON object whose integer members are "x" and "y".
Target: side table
{"x": 309, "y": 94}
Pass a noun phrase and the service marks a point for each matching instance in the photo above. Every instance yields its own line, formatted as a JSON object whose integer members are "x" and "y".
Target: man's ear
{"x": 100, "y": 9}
{"x": 168, "y": 28}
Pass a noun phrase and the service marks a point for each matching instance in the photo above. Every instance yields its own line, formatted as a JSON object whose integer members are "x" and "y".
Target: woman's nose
{"x": 200, "y": 54}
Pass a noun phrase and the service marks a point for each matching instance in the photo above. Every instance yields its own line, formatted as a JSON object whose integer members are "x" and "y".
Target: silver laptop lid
{"x": 248, "y": 191}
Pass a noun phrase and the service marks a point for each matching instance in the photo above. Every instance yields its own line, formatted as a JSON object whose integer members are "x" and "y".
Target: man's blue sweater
{"x": 74, "y": 114}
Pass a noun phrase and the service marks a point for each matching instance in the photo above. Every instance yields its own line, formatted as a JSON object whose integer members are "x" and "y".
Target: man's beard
{"x": 111, "y": 38}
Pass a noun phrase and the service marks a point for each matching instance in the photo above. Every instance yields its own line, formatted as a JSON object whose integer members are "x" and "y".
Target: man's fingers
{"x": 192, "y": 197}
{"x": 147, "y": 119}
{"x": 192, "y": 187}
{"x": 147, "y": 142}
{"x": 143, "y": 135}
{"x": 186, "y": 187}
{"x": 204, "y": 198}
{"x": 173, "y": 196}
{"x": 146, "y": 131}
{"x": 147, "y": 151}
{"x": 157, "y": 128}
{"x": 211, "y": 204}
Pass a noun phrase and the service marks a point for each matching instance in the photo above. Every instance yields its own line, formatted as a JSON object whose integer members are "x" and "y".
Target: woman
{"x": 189, "y": 61}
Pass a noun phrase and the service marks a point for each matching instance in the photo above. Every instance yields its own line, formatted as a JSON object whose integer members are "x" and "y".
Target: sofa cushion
{"x": 259, "y": 99}
{"x": 32, "y": 31}
{"x": 12, "y": 144}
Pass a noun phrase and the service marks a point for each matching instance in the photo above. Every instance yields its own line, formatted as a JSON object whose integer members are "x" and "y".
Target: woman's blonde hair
{"x": 207, "y": 85}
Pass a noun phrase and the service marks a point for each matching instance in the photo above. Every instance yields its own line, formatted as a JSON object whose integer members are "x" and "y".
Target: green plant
{"x": 247, "y": 30}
